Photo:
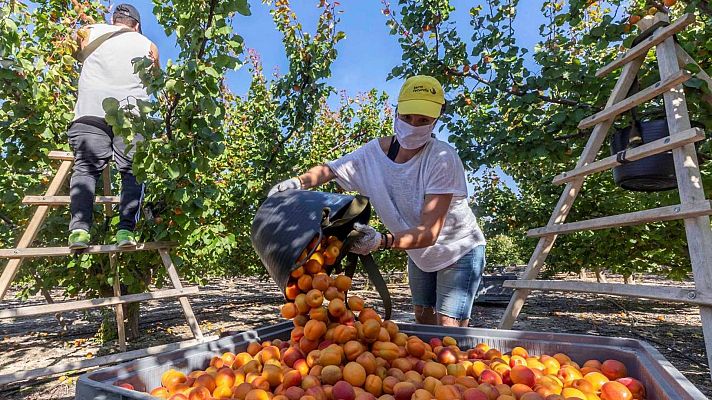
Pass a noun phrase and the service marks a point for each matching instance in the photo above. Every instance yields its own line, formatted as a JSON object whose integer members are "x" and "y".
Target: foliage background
{"x": 212, "y": 154}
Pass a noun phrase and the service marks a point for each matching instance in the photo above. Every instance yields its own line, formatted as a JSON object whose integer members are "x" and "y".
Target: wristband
{"x": 301, "y": 183}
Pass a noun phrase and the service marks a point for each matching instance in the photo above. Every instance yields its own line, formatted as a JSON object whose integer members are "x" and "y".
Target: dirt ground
{"x": 241, "y": 304}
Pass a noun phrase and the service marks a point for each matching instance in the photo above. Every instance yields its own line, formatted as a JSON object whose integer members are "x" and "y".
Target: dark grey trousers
{"x": 94, "y": 144}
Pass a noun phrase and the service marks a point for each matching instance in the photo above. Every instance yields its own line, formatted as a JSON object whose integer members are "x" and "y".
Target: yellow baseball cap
{"x": 421, "y": 94}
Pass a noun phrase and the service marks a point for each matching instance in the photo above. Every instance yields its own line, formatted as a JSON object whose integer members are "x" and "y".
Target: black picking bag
{"x": 287, "y": 222}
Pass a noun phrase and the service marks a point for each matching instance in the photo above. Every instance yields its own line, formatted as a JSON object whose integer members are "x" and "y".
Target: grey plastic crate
{"x": 645, "y": 363}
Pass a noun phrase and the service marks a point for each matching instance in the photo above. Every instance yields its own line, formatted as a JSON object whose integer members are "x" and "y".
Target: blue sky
{"x": 366, "y": 55}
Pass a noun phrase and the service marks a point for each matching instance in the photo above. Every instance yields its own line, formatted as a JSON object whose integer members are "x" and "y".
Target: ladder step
{"x": 61, "y": 155}
{"x": 641, "y": 97}
{"x": 667, "y": 213}
{"x": 95, "y": 303}
{"x": 655, "y": 147}
{"x": 34, "y": 252}
{"x": 64, "y": 200}
{"x": 642, "y": 48}
{"x": 617, "y": 289}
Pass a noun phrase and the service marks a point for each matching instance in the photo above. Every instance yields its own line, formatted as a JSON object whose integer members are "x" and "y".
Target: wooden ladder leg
{"x": 187, "y": 309}
{"x": 571, "y": 191}
{"x": 8, "y": 274}
{"x": 119, "y": 308}
{"x": 689, "y": 181}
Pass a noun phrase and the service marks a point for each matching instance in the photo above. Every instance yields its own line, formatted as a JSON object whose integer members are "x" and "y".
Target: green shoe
{"x": 79, "y": 239}
{"x": 125, "y": 238}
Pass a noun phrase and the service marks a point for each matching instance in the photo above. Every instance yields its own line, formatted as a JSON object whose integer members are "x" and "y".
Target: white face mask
{"x": 412, "y": 137}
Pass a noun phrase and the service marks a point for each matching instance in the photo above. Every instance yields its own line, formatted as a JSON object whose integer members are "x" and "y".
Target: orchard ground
{"x": 245, "y": 303}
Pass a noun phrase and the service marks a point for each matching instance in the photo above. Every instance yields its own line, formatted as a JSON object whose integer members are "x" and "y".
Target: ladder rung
{"x": 655, "y": 147}
{"x": 641, "y": 97}
{"x": 635, "y": 218}
{"x": 95, "y": 303}
{"x": 61, "y": 155}
{"x": 34, "y": 252}
{"x": 617, "y": 289}
{"x": 642, "y": 48}
{"x": 64, "y": 200}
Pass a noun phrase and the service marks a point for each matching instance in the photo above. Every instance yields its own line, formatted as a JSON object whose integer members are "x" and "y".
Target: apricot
{"x": 300, "y": 320}
{"x": 568, "y": 374}
{"x": 447, "y": 356}
{"x": 310, "y": 381}
{"x": 583, "y": 385}
{"x": 386, "y": 350}
{"x": 434, "y": 369}
{"x": 206, "y": 381}
{"x": 403, "y": 390}
{"x": 337, "y": 307}
{"x": 222, "y": 392}
{"x": 368, "y": 313}
{"x": 447, "y": 392}
{"x": 343, "y": 390}
{"x": 313, "y": 266}
{"x": 304, "y": 283}
{"x": 535, "y": 396}
{"x": 178, "y": 396}
{"x": 422, "y": 394}
{"x": 291, "y": 291}
{"x": 491, "y": 377}
{"x": 615, "y": 391}
{"x": 268, "y": 353}
{"x": 552, "y": 365}
{"x": 354, "y": 374}
{"x": 345, "y": 333}
{"x": 172, "y": 378}
{"x": 353, "y": 349}
{"x": 373, "y": 385}
{"x": 572, "y": 392}
{"x": 161, "y": 392}
{"x": 301, "y": 366}
{"x": 371, "y": 329}
{"x": 225, "y": 377}
{"x": 522, "y": 374}
{"x": 474, "y": 394}
{"x": 367, "y": 361}
{"x": 298, "y": 272}
{"x": 301, "y": 302}
{"x": 355, "y": 303}
{"x": 321, "y": 281}
{"x": 635, "y": 386}
{"x": 415, "y": 347}
{"x": 331, "y": 374}
{"x": 333, "y": 293}
{"x": 343, "y": 283}
{"x": 614, "y": 369}
{"x": 257, "y": 394}
{"x": 314, "y": 330}
{"x": 403, "y": 364}
{"x": 389, "y": 384}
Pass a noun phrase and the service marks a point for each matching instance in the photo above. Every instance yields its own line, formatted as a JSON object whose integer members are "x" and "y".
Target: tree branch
{"x": 521, "y": 92}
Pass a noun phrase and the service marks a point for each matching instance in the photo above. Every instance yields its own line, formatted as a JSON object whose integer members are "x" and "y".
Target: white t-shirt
{"x": 109, "y": 71}
{"x": 397, "y": 193}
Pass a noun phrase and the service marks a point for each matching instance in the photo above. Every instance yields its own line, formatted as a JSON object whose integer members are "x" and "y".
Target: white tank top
{"x": 109, "y": 72}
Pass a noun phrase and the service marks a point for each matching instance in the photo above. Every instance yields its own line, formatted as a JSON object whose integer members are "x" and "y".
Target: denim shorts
{"x": 451, "y": 291}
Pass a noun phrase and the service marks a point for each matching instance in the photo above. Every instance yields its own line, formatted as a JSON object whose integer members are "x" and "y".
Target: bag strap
{"x": 374, "y": 275}
{"x": 393, "y": 149}
{"x": 82, "y": 55}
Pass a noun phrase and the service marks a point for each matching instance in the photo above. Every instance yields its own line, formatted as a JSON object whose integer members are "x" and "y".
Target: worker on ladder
{"x": 106, "y": 52}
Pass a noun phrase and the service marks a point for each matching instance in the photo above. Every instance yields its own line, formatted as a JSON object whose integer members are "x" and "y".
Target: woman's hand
{"x": 369, "y": 241}
{"x": 289, "y": 184}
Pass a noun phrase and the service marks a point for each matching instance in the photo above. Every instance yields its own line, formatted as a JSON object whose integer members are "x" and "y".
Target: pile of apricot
{"x": 340, "y": 349}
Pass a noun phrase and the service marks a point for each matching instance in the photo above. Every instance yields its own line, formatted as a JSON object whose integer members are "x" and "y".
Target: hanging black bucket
{"x": 650, "y": 174}
{"x": 287, "y": 222}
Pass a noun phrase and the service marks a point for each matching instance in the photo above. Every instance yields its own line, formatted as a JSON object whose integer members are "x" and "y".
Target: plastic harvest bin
{"x": 644, "y": 362}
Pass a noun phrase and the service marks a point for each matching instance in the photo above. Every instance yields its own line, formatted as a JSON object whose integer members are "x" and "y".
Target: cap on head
{"x": 128, "y": 11}
{"x": 421, "y": 94}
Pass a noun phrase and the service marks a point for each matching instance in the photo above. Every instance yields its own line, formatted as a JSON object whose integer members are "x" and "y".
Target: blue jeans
{"x": 450, "y": 291}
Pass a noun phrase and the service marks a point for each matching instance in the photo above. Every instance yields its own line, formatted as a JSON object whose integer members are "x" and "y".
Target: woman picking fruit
{"x": 416, "y": 184}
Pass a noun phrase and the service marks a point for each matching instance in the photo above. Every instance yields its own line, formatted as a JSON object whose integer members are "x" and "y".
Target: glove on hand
{"x": 289, "y": 184}
{"x": 369, "y": 241}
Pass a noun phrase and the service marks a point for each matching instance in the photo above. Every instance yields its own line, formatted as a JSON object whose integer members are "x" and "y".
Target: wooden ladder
{"x": 23, "y": 251}
{"x": 694, "y": 208}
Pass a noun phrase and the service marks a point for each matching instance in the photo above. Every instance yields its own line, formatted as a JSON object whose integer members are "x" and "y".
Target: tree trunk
{"x": 600, "y": 277}
{"x": 582, "y": 273}
{"x": 131, "y": 313}
{"x": 626, "y": 278}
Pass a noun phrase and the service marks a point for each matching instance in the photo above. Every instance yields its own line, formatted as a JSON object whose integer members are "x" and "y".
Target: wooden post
{"x": 689, "y": 181}
{"x": 620, "y": 91}
{"x": 187, "y": 310}
{"x": 119, "y": 308}
{"x": 8, "y": 274}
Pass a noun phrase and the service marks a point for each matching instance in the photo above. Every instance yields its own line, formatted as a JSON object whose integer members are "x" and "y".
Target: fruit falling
{"x": 340, "y": 349}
